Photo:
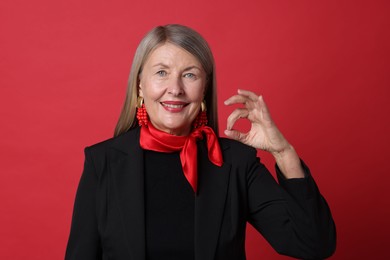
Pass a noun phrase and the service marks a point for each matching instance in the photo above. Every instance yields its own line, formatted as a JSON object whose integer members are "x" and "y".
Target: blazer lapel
{"x": 209, "y": 204}
{"x": 126, "y": 165}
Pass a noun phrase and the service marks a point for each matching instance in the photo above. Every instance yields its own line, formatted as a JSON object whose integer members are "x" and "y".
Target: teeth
{"x": 173, "y": 106}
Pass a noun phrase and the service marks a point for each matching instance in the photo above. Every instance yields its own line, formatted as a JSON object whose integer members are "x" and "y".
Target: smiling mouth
{"x": 174, "y": 106}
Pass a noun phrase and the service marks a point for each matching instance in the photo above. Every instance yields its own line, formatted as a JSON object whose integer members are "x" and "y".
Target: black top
{"x": 169, "y": 208}
{"x": 109, "y": 214}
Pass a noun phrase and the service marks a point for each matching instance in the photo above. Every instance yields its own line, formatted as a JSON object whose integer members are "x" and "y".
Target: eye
{"x": 161, "y": 73}
{"x": 189, "y": 75}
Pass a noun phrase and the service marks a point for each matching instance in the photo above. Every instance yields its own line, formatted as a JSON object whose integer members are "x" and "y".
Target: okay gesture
{"x": 263, "y": 133}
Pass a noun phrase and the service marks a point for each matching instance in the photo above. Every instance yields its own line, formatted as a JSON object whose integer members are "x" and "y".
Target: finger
{"x": 243, "y": 97}
{"x": 236, "y": 135}
{"x": 236, "y": 99}
{"x": 249, "y": 94}
{"x": 264, "y": 109}
{"x": 235, "y": 115}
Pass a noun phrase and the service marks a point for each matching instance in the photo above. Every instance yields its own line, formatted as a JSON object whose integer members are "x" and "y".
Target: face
{"x": 172, "y": 84}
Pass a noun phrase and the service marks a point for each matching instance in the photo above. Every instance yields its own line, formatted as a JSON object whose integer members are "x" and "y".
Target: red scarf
{"x": 156, "y": 140}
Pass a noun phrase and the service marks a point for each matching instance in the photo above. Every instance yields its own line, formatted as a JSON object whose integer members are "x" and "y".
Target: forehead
{"x": 171, "y": 54}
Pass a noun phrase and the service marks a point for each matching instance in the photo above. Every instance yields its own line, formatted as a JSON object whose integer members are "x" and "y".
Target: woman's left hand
{"x": 263, "y": 133}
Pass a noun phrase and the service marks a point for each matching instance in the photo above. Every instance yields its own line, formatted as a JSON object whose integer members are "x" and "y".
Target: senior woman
{"x": 167, "y": 187}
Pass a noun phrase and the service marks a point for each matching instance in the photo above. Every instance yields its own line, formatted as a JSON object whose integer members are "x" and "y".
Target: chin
{"x": 176, "y": 129}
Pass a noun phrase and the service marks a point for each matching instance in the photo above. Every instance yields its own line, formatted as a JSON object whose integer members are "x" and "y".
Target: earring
{"x": 142, "y": 115}
{"x": 201, "y": 118}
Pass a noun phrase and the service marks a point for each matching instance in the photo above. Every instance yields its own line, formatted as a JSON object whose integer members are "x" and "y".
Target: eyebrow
{"x": 192, "y": 67}
{"x": 160, "y": 64}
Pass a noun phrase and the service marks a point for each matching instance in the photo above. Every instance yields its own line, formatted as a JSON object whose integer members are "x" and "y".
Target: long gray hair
{"x": 183, "y": 37}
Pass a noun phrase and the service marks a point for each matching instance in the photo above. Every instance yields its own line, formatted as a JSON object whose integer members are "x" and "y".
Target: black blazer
{"x": 108, "y": 218}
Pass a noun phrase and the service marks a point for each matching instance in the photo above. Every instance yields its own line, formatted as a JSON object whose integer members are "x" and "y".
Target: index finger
{"x": 249, "y": 94}
{"x": 242, "y": 97}
{"x": 236, "y": 99}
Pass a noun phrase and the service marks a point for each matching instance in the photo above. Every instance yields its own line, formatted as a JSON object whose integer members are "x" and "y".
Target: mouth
{"x": 173, "y": 106}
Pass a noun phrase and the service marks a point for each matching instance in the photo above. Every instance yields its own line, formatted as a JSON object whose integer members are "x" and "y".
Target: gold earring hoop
{"x": 201, "y": 118}
{"x": 141, "y": 114}
{"x": 140, "y": 102}
{"x": 203, "y": 107}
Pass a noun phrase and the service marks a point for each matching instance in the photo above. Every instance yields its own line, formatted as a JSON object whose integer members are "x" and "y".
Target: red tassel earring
{"x": 142, "y": 115}
{"x": 201, "y": 119}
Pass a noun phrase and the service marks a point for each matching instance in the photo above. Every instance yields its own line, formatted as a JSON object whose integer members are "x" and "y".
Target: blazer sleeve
{"x": 84, "y": 242}
{"x": 292, "y": 215}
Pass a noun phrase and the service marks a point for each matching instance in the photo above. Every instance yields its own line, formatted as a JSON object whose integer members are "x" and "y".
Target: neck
{"x": 176, "y": 132}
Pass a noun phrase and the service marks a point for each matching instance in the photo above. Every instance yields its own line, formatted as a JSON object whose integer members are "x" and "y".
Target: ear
{"x": 140, "y": 93}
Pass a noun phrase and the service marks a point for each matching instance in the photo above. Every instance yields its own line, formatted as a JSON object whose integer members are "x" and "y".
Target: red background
{"x": 322, "y": 66}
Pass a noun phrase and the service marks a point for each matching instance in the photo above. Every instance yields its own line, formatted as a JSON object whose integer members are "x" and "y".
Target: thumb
{"x": 236, "y": 135}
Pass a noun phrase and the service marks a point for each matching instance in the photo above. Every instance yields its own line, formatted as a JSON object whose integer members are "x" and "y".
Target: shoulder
{"x": 120, "y": 143}
{"x": 112, "y": 149}
{"x": 236, "y": 152}
{"x": 235, "y": 146}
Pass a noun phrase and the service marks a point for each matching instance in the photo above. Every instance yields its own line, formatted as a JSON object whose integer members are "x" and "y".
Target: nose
{"x": 175, "y": 87}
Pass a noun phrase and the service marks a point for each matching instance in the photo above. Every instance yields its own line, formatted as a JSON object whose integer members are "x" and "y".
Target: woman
{"x": 166, "y": 187}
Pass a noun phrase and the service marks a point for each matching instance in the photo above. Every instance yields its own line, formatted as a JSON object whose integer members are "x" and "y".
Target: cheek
{"x": 197, "y": 92}
{"x": 150, "y": 91}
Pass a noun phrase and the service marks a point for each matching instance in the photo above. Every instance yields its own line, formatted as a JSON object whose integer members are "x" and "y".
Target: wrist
{"x": 287, "y": 150}
{"x": 289, "y": 163}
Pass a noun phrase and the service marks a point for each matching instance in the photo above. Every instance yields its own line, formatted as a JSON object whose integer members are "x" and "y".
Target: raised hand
{"x": 263, "y": 133}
